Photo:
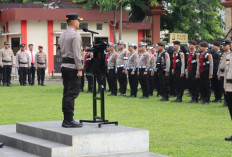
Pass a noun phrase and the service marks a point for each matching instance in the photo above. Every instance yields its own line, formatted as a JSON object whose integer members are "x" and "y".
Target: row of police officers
{"x": 27, "y": 62}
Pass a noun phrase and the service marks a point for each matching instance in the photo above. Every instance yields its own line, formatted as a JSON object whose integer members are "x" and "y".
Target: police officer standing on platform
{"x": 71, "y": 68}
{"x": 191, "y": 72}
{"x": 132, "y": 70}
{"x": 111, "y": 69}
{"x": 163, "y": 67}
{"x": 22, "y": 64}
{"x": 228, "y": 85}
{"x": 6, "y": 61}
{"x": 205, "y": 72}
{"x": 31, "y": 70}
{"x": 121, "y": 60}
{"x": 178, "y": 67}
{"x": 41, "y": 64}
{"x": 221, "y": 69}
{"x": 151, "y": 71}
{"x": 143, "y": 67}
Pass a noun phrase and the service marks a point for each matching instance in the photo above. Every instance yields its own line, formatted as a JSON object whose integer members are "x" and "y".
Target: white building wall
{"x": 129, "y": 36}
{"x": 37, "y": 34}
{"x": 14, "y": 26}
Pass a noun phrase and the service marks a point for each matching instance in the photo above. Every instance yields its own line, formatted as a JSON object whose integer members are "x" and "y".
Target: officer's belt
{"x": 110, "y": 68}
{"x": 144, "y": 67}
{"x": 68, "y": 60}
{"x": 120, "y": 66}
{"x": 23, "y": 62}
{"x": 40, "y": 63}
{"x": 6, "y": 61}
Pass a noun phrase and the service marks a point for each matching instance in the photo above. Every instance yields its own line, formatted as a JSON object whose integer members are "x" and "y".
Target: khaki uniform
{"x": 22, "y": 59}
{"x": 41, "y": 60}
{"x": 228, "y": 81}
{"x": 6, "y": 56}
{"x": 132, "y": 62}
{"x": 6, "y": 59}
{"x": 222, "y": 65}
{"x": 23, "y": 63}
{"x": 70, "y": 47}
{"x": 143, "y": 66}
{"x": 121, "y": 61}
{"x": 111, "y": 62}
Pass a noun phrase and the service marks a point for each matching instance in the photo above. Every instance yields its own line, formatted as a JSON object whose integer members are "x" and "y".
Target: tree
{"x": 199, "y": 18}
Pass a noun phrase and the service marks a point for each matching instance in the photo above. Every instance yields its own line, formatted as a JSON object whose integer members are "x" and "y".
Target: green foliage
{"x": 200, "y": 19}
{"x": 177, "y": 130}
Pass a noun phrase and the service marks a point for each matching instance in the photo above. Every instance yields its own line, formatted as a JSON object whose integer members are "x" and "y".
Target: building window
{"x": 63, "y": 26}
{"x": 99, "y": 26}
{"x": 83, "y": 25}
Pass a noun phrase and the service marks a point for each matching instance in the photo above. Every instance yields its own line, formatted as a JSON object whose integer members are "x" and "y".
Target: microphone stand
{"x": 96, "y": 119}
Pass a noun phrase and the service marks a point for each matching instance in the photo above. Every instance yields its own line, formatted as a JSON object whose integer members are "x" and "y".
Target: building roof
{"x": 57, "y": 14}
{"x": 4, "y": 6}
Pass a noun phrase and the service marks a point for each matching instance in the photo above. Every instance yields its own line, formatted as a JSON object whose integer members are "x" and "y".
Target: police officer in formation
{"x": 111, "y": 62}
{"x": 31, "y": 70}
{"x": 22, "y": 64}
{"x": 131, "y": 69}
{"x": 6, "y": 63}
{"x": 41, "y": 64}
{"x": 121, "y": 59}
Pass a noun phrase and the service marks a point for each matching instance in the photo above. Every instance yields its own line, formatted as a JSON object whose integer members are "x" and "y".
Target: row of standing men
{"x": 199, "y": 68}
{"x": 27, "y": 63}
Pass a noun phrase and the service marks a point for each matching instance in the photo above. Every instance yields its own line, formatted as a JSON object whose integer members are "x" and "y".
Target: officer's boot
{"x": 39, "y": 82}
{"x": 42, "y": 83}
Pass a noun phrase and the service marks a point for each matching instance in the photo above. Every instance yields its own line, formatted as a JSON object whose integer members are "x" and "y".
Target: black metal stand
{"x": 96, "y": 119}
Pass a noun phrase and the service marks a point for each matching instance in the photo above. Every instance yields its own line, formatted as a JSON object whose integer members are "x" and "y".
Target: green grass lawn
{"x": 180, "y": 130}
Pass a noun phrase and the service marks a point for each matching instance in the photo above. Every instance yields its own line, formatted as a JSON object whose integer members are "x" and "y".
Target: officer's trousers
{"x": 193, "y": 84}
{"x": 133, "y": 82}
{"x": 31, "y": 74}
{"x": 1, "y": 75}
{"x": 113, "y": 81}
{"x": 164, "y": 84}
{"x": 179, "y": 83}
{"x": 229, "y": 95}
{"x": 215, "y": 84}
{"x": 172, "y": 84}
{"x": 40, "y": 74}
{"x": 150, "y": 83}
{"x": 205, "y": 86}
{"x": 122, "y": 79}
{"x": 90, "y": 82}
{"x": 83, "y": 80}
{"x": 221, "y": 91}
{"x": 143, "y": 79}
{"x": 6, "y": 74}
{"x": 23, "y": 75}
{"x": 71, "y": 90}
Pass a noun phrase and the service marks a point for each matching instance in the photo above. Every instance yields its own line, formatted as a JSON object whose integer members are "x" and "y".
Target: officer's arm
{"x": 198, "y": 64}
{"x": 168, "y": 63}
{"x": 12, "y": 57}
{"x": 182, "y": 63}
{"x": 125, "y": 59}
{"x": 17, "y": 60}
{"x": 76, "y": 46}
{"x": 136, "y": 57}
{"x": 35, "y": 62}
{"x": 0, "y": 57}
{"x": 210, "y": 65}
{"x": 46, "y": 62}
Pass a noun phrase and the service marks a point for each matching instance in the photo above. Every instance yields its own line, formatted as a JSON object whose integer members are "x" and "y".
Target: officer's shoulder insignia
{"x": 209, "y": 56}
{"x": 182, "y": 55}
{"x": 166, "y": 55}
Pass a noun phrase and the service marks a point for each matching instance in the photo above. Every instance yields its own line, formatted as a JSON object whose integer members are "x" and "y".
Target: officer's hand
{"x": 166, "y": 74}
{"x": 18, "y": 68}
{"x": 116, "y": 71}
{"x": 36, "y": 68}
{"x": 1, "y": 65}
{"x": 219, "y": 78}
{"x": 145, "y": 73}
{"x": 132, "y": 73}
{"x": 181, "y": 75}
{"x": 137, "y": 73}
{"x": 79, "y": 73}
{"x": 123, "y": 71}
{"x": 126, "y": 72}
{"x": 225, "y": 90}
{"x": 197, "y": 76}
{"x": 152, "y": 74}
{"x": 187, "y": 76}
{"x": 13, "y": 65}
{"x": 210, "y": 77}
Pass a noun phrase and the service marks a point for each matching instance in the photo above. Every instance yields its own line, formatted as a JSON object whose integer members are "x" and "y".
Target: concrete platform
{"x": 49, "y": 139}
